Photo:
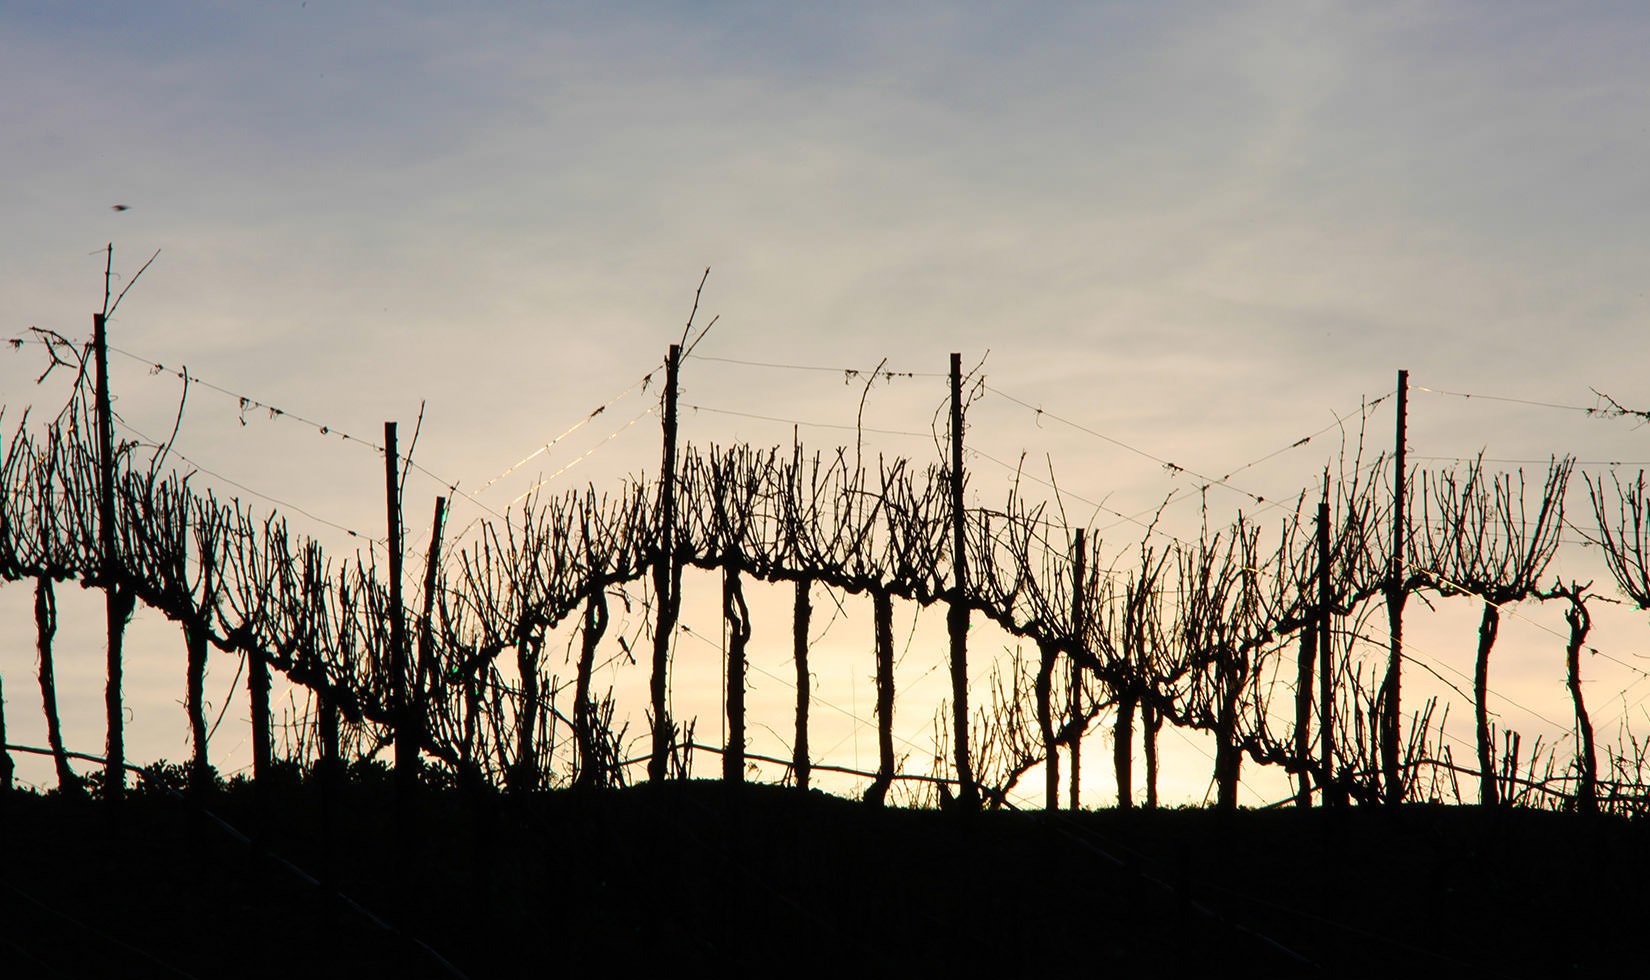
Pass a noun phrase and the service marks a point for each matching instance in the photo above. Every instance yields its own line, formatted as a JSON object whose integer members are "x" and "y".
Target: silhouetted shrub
{"x": 161, "y": 778}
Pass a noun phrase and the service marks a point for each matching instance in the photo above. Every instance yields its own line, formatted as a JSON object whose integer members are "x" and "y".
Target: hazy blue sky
{"x": 1198, "y": 228}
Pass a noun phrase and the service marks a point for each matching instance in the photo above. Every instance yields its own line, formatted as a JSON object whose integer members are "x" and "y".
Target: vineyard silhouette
{"x": 1243, "y": 633}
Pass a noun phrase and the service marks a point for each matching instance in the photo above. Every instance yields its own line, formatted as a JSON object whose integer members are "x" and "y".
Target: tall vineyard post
{"x": 957, "y": 615}
{"x": 1303, "y": 683}
{"x": 663, "y": 580}
{"x": 406, "y": 753}
{"x": 1397, "y": 590}
{"x": 1079, "y": 629}
{"x": 1329, "y": 795}
{"x": 426, "y": 669}
{"x": 117, "y": 600}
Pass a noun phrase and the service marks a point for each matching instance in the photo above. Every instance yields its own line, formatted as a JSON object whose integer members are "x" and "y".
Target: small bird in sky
{"x": 120, "y": 207}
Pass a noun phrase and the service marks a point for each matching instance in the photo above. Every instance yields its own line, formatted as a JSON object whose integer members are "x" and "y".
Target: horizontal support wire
{"x": 805, "y": 424}
{"x": 1594, "y": 410}
{"x": 270, "y": 498}
{"x": 848, "y": 373}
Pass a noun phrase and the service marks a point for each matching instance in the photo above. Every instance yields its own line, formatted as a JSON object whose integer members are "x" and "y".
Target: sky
{"x": 1203, "y": 231}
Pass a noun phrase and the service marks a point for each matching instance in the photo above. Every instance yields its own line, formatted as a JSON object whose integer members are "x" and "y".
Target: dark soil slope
{"x": 768, "y": 880}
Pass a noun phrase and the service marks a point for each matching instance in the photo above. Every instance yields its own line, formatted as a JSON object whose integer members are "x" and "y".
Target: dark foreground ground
{"x": 771, "y": 881}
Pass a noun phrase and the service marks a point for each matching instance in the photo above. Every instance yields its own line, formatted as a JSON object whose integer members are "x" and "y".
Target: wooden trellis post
{"x": 1080, "y": 630}
{"x": 257, "y": 690}
{"x": 117, "y": 600}
{"x": 663, "y": 576}
{"x": 957, "y": 615}
{"x": 1397, "y": 591}
{"x": 406, "y": 750}
{"x": 1326, "y": 672}
{"x": 419, "y": 714}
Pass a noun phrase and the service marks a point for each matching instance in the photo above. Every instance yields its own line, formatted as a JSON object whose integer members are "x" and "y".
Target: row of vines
{"x": 1225, "y": 633}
